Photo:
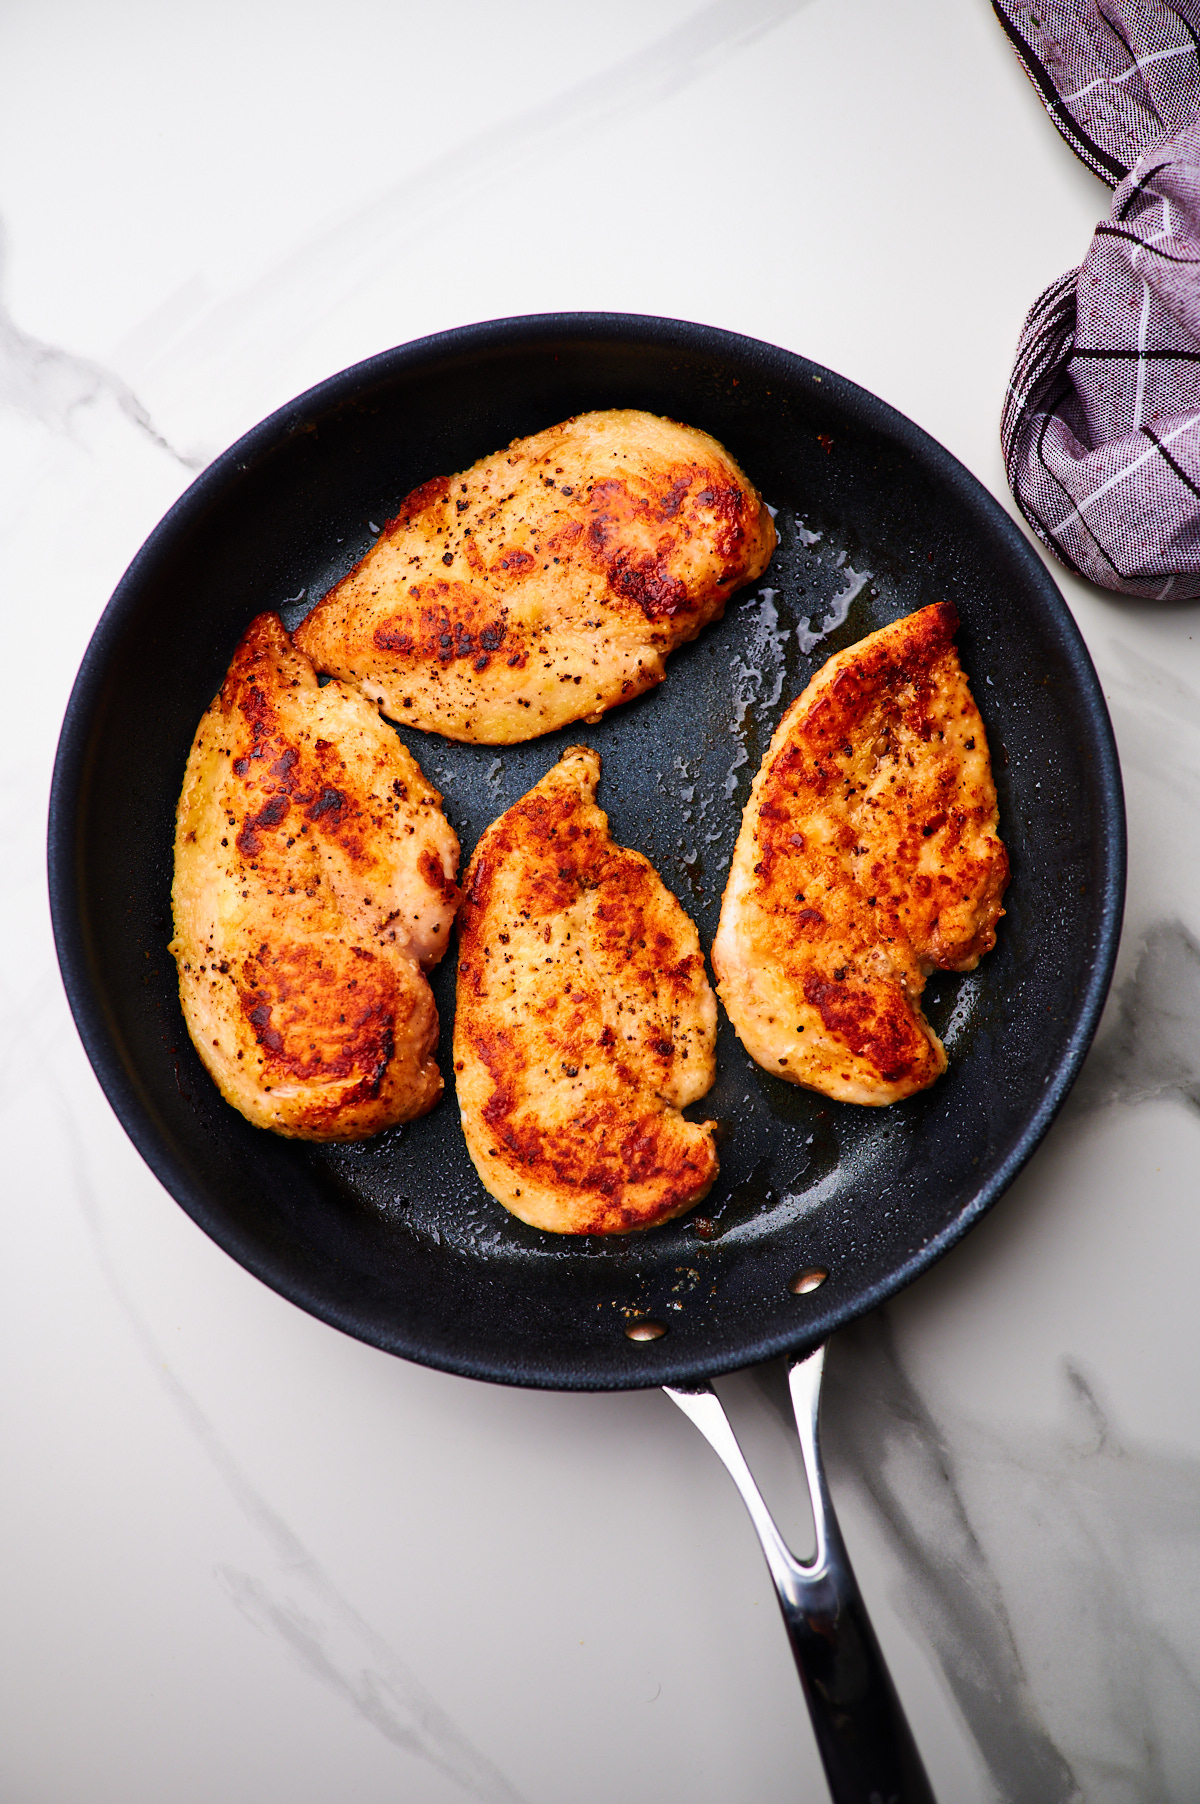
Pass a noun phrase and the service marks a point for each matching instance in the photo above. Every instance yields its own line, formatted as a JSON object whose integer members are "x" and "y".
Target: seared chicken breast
{"x": 584, "y": 1020}
{"x": 868, "y": 856}
{"x": 547, "y": 583}
{"x": 314, "y": 885}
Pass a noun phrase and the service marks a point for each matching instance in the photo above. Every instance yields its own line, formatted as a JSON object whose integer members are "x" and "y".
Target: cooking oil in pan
{"x": 678, "y": 763}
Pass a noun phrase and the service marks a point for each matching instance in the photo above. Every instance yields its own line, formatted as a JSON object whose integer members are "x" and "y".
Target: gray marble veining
{"x": 881, "y": 1435}
{"x": 235, "y": 336}
{"x": 1045, "y": 1549}
{"x": 302, "y": 1608}
{"x": 51, "y": 384}
{"x": 1153, "y": 1049}
{"x": 333, "y": 1645}
{"x": 1098, "y": 1603}
{"x": 707, "y": 38}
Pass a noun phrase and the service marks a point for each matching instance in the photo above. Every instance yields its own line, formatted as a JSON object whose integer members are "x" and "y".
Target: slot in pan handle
{"x": 862, "y": 1733}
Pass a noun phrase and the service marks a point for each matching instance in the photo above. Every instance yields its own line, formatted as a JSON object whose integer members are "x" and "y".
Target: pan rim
{"x": 70, "y": 783}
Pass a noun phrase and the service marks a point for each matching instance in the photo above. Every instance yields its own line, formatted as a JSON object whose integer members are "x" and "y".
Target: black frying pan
{"x": 395, "y": 1241}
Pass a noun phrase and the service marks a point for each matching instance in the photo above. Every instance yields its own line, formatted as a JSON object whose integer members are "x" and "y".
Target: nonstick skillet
{"x": 822, "y": 1210}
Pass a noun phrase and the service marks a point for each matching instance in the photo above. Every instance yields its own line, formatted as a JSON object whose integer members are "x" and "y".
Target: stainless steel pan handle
{"x": 864, "y": 1739}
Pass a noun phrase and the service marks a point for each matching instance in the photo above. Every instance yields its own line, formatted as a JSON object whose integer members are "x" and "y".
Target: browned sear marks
{"x": 868, "y": 857}
{"x": 547, "y": 583}
{"x": 584, "y": 1021}
{"x": 314, "y": 885}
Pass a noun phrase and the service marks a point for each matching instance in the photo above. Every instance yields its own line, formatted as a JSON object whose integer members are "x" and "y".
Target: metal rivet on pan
{"x": 803, "y": 1282}
{"x": 645, "y": 1331}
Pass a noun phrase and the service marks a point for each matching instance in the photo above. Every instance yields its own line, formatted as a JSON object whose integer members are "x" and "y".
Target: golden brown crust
{"x": 584, "y": 1020}
{"x": 868, "y": 856}
{"x": 314, "y": 878}
{"x": 547, "y": 583}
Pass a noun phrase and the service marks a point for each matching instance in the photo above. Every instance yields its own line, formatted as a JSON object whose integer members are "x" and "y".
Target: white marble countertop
{"x": 245, "y": 1558}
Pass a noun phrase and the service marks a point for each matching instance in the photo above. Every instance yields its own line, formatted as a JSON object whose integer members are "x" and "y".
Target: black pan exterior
{"x": 395, "y": 1241}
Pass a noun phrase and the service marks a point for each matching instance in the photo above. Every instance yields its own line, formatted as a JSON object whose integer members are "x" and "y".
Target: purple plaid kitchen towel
{"x": 1101, "y": 425}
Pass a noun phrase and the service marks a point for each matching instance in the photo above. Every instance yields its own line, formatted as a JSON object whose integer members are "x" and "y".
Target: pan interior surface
{"x": 395, "y": 1240}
